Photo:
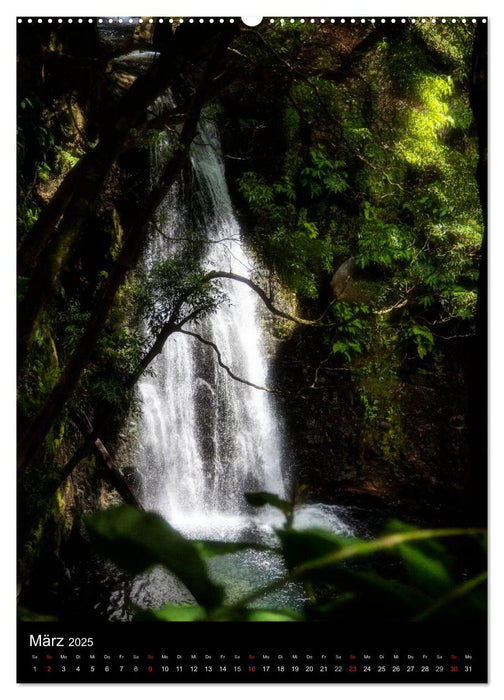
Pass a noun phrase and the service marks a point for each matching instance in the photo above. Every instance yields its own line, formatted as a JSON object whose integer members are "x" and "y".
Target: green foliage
{"x": 344, "y": 574}
{"x": 323, "y": 176}
{"x": 171, "y": 613}
{"x": 30, "y": 616}
{"x": 381, "y": 168}
{"x": 174, "y": 290}
{"x": 384, "y": 244}
{"x": 353, "y": 332}
{"x": 137, "y": 541}
{"x": 286, "y": 236}
{"x": 422, "y": 337}
{"x": 379, "y": 165}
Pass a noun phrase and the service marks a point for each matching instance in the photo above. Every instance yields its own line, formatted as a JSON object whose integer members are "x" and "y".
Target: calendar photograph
{"x": 252, "y": 349}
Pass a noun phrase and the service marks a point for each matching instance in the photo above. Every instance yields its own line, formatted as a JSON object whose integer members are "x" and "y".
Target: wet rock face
{"x": 412, "y": 454}
{"x": 345, "y": 286}
{"x": 342, "y": 277}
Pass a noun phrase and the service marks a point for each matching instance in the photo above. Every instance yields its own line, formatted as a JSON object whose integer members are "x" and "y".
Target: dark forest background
{"x": 356, "y": 159}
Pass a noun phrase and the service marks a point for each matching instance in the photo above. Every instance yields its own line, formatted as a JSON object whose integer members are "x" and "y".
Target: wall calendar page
{"x": 252, "y": 349}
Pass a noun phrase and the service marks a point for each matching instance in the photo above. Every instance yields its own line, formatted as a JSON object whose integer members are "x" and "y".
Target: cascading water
{"x": 206, "y": 438}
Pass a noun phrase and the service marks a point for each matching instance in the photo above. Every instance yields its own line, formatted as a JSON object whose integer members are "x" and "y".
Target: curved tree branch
{"x": 216, "y": 274}
{"x": 221, "y": 363}
{"x": 174, "y": 326}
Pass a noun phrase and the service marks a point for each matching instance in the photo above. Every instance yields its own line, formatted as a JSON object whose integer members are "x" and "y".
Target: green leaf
{"x": 300, "y": 546}
{"x": 213, "y": 548}
{"x": 30, "y": 616}
{"x": 366, "y": 595}
{"x": 281, "y": 615}
{"x": 313, "y": 551}
{"x": 136, "y": 540}
{"x": 171, "y": 613}
{"x": 466, "y": 601}
{"x": 431, "y": 547}
{"x": 424, "y": 571}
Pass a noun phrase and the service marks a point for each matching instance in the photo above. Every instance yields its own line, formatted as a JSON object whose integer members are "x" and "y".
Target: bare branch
{"x": 190, "y": 239}
{"x": 111, "y": 470}
{"x": 399, "y": 305}
{"x": 221, "y": 363}
{"x": 379, "y": 170}
{"x": 215, "y": 274}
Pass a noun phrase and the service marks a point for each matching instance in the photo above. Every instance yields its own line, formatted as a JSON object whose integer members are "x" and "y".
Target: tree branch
{"x": 49, "y": 244}
{"x": 112, "y": 473}
{"x": 221, "y": 363}
{"x": 89, "y": 172}
{"x": 349, "y": 64}
{"x": 179, "y": 113}
{"x": 40, "y": 425}
{"x": 216, "y": 274}
{"x": 173, "y": 326}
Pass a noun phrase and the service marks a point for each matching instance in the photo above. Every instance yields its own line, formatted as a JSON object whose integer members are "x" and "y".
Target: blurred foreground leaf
{"x": 171, "y": 613}
{"x": 136, "y": 540}
{"x": 301, "y": 546}
{"x": 214, "y": 548}
{"x": 281, "y": 615}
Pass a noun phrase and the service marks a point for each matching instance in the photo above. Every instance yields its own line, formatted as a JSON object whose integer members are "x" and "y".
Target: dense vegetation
{"x": 356, "y": 158}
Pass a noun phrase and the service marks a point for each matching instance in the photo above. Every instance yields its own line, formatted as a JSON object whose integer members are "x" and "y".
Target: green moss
{"x": 45, "y": 537}
{"x": 283, "y": 329}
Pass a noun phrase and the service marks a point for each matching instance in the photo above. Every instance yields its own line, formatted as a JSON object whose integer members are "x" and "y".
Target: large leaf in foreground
{"x": 316, "y": 550}
{"x": 171, "y": 613}
{"x": 136, "y": 540}
{"x": 280, "y": 615}
{"x": 214, "y": 548}
{"x": 301, "y": 546}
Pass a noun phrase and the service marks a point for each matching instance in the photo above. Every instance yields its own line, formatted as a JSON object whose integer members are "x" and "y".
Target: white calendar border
{"x": 273, "y": 8}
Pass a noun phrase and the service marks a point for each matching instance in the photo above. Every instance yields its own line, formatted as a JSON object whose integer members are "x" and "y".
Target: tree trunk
{"x": 49, "y": 248}
{"x": 112, "y": 473}
{"x": 41, "y": 424}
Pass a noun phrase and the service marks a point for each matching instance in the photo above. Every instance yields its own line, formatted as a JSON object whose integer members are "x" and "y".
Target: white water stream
{"x": 206, "y": 439}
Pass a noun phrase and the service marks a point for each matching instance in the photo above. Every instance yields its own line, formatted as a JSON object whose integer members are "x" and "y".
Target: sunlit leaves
{"x": 423, "y": 123}
{"x": 391, "y": 151}
{"x": 384, "y": 243}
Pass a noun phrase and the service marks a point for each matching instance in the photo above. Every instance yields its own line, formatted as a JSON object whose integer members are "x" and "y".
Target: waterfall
{"x": 205, "y": 438}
